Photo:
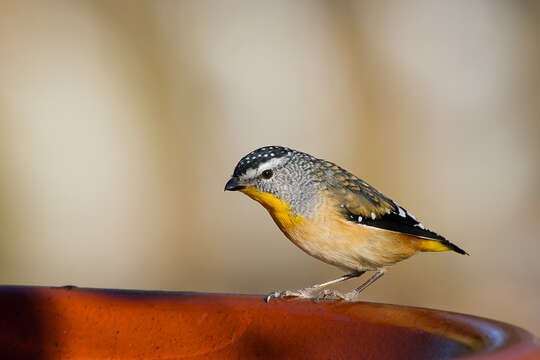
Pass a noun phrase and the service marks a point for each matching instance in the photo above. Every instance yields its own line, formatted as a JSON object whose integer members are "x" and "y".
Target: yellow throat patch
{"x": 279, "y": 210}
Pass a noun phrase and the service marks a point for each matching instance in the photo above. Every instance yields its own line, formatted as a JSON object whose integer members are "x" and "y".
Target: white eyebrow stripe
{"x": 272, "y": 163}
{"x": 251, "y": 173}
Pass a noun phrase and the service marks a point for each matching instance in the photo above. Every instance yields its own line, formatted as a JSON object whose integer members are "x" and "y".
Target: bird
{"x": 333, "y": 216}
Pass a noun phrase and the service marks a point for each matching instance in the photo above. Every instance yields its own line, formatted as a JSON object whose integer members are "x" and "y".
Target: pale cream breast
{"x": 332, "y": 239}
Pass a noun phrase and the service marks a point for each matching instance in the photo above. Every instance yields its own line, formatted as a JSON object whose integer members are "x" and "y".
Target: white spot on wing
{"x": 411, "y": 216}
{"x": 420, "y": 226}
{"x": 373, "y": 215}
{"x": 401, "y": 212}
{"x": 359, "y": 219}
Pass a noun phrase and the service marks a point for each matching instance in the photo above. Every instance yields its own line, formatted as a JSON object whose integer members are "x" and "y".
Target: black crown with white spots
{"x": 257, "y": 157}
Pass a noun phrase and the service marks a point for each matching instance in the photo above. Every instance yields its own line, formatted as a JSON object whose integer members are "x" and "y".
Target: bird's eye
{"x": 267, "y": 174}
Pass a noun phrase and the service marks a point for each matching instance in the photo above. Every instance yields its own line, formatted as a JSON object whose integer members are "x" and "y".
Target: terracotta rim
{"x": 66, "y": 322}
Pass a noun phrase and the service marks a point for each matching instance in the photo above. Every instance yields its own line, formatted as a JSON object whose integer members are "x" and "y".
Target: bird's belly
{"x": 351, "y": 246}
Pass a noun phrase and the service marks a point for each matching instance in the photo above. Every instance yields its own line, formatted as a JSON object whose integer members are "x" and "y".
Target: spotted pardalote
{"x": 332, "y": 215}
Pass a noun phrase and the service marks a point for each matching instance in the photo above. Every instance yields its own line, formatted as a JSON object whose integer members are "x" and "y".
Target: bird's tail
{"x": 440, "y": 245}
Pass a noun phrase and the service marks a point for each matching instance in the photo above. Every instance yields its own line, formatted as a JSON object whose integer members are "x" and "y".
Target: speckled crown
{"x": 257, "y": 157}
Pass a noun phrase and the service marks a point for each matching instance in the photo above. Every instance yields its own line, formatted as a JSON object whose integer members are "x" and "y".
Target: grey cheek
{"x": 266, "y": 186}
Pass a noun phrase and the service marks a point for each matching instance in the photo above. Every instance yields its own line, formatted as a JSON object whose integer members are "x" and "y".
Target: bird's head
{"x": 277, "y": 177}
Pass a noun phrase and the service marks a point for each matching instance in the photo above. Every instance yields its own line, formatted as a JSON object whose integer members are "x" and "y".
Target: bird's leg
{"x": 308, "y": 292}
{"x": 327, "y": 294}
{"x": 335, "y": 281}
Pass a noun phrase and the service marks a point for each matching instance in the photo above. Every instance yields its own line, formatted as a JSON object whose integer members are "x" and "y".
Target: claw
{"x": 302, "y": 293}
{"x": 333, "y": 295}
{"x": 274, "y": 294}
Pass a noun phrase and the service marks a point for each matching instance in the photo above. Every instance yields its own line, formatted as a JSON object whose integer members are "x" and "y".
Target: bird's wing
{"x": 363, "y": 204}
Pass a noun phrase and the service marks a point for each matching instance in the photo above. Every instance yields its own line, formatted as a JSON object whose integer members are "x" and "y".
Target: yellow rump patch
{"x": 432, "y": 245}
{"x": 279, "y": 210}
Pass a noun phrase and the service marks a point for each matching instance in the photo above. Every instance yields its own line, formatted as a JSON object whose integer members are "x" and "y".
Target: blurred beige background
{"x": 120, "y": 123}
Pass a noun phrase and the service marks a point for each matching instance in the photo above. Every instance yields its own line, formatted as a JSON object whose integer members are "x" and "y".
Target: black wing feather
{"x": 365, "y": 205}
{"x": 403, "y": 224}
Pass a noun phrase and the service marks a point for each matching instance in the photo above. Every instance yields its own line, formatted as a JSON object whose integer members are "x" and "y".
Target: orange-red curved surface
{"x": 73, "y": 323}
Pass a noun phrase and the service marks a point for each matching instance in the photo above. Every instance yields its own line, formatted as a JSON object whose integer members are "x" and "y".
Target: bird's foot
{"x": 302, "y": 293}
{"x": 335, "y": 295}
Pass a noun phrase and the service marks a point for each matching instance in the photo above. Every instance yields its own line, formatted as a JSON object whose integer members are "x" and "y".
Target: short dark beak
{"x": 233, "y": 185}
